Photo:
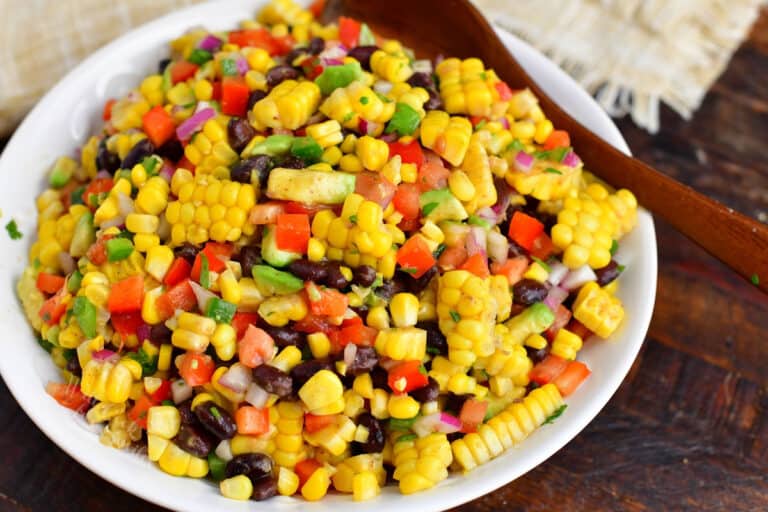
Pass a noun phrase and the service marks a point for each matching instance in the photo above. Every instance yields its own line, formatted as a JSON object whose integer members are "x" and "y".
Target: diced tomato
{"x": 292, "y": 232}
{"x": 547, "y": 370}
{"x": 255, "y": 347}
{"x": 313, "y": 323}
{"x": 557, "y": 139}
{"x": 477, "y": 264}
{"x": 505, "y": 93}
{"x": 571, "y": 378}
{"x": 266, "y": 213}
{"x": 217, "y": 253}
{"x": 406, "y": 200}
{"x": 94, "y": 189}
{"x": 106, "y": 114}
{"x": 579, "y": 329}
{"x": 562, "y": 317}
{"x": 432, "y": 174}
{"x": 349, "y": 31}
{"x": 180, "y": 296}
{"x": 452, "y": 257}
{"x": 162, "y": 393}
{"x": 138, "y": 413}
{"x": 97, "y": 252}
{"x": 325, "y": 301}
{"x": 127, "y": 323}
{"x": 68, "y": 395}
{"x": 513, "y": 269}
{"x": 181, "y": 71}
{"x": 415, "y": 257}
{"x": 53, "y": 308}
{"x": 409, "y": 225}
{"x": 407, "y": 376}
{"x": 234, "y": 96}
{"x": 49, "y": 283}
{"x": 375, "y": 187}
{"x": 316, "y": 8}
{"x": 472, "y": 414}
{"x": 179, "y": 271}
{"x": 316, "y": 422}
{"x": 196, "y": 369}
{"x": 542, "y": 247}
{"x": 308, "y": 209}
{"x": 158, "y": 125}
{"x": 524, "y": 229}
{"x": 242, "y": 320}
{"x": 259, "y": 38}
{"x": 410, "y": 153}
{"x": 126, "y": 295}
{"x": 216, "y": 93}
{"x": 304, "y": 470}
{"x": 357, "y": 334}
{"x": 252, "y": 420}
{"x": 282, "y": 44}
{"x": 184, "y": 163}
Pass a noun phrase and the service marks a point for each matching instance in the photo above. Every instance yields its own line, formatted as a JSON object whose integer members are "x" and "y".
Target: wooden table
{"x": 688, "y": 429}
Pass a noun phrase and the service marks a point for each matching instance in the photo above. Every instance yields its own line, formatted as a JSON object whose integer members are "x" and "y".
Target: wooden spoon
{"x": 456, "y": 28}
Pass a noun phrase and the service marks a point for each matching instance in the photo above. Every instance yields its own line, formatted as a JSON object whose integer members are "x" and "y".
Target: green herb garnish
{"x": 353, "y": 219}
{"x": 205, "y": 273}
{"x": 455, "y": 316}
{"x": 558, "y": 412}
{"x": 409, "y": 270}
{"x": 755, "y": 279}
{"x": 406, "y": 437}
{"x": 433, "y": 350}
{"x": 215, "y": 413}
{"x": 149, "y": 164}
{"x": 429, "y": 208}
{"x": 364, "y": 100}
{"x": 228, "y": 67}
{"x": 13, "y": 230}
{"x": 199, "y": 56}
{"x": 614, "y": 247}
{"x": 168, "y": 402}
{"x": 440, "y": 249}
{"x": 516, "y": 145}
{"x": 348, "y": 117}
{"x": 147, "y": 362}
{"x": 542, "y": 264}
{"x": 398, "y": 424}
{"x": 552, "y": 170}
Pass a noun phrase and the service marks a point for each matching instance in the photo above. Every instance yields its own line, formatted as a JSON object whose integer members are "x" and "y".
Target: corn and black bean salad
{"x": 298, "y": 259}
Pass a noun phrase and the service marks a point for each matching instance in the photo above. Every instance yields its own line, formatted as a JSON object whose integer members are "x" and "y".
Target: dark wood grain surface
{"x": 687, "y": 430}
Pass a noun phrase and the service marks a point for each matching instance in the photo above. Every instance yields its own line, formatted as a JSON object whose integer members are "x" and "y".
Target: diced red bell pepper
{"x": 256, "y": 347}
{"x": 547, "y": 370}
{"x": 314, "y": 323}
{"x": 472, "y": 414}
{"x": 542, "y": 247}
{"x": 158, "y": 125}
{"x": 406, "y": 377}
{"x": 415, "y": 257}
{"x": 184, "y": 163}
{"x": 242, "y": 320}
{"x": 68, "y": 395}
{"x": 281, "y": 45}
{"x": 513, "y": 269}
{"x": 325, "y": 301}
{"x": 357, "y": 334}
{"x": 49, "y": 283}
{"x": 477, "y": 264}
{"x": 349, "y": 31}
{"x": 317, "y": 422}
{"x": 53, "y": 309}
{"x": 234, "y": 96}
{"x": 182, "y": 70}
{"x": 571, "y": 378}
{"x": 138, "y": 413}
{"x": 97, "y": 252}
{"x": 252, "y": 420}
{"x": 106, "y": 114}
{"x": 126, "y": 295}
{"x": 409, "y": 225}
{"x": 557, "y": 139}
{"x": 410, "y": 153}
{"x": 180, "y": 296}
{"x": 217, "y": 254}
{"x": 476, "y": 120}
{"x": 505, "y": 93}
{"x": 309, "y": 209}
{"x": 292, "y": 232}
{"x": 162, "y": 393}
{"x": 196, "y": 369}
{"x": 406, "y": 200}
{"x": 179, "y": 271}
{"x": 304, "y": 470}
{"x": 94, "y": 189}
{"x": 126, "y": 323}
{"x": 258, "y": 38}
{"x": 216, "y": 93}
{"x": 524, "y": 229}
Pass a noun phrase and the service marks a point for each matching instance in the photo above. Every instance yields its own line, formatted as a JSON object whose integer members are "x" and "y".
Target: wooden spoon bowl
{"x": 456, "y": 28}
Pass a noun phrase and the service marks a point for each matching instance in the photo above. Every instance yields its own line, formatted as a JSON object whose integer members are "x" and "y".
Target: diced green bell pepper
{"x": 118, "y": 249}
{"x": 220, "y": 310}
{"x": 307, "y": 149}
{"x": 85, "y": 314}
{"x": 404, "y": 121}
{"x": 334, "y": 77}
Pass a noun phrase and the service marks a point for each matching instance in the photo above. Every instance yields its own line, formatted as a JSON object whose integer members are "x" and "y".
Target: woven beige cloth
{"x": 631, "y": 53}
{"x": 634, "y": 54}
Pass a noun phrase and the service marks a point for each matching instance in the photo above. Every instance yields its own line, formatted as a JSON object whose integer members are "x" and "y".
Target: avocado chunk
{"x": 439, "y": 205}
{"x": 334, "y": 77}
{"x": 496, "y": 404}
{"x": 271, "y": 281}
{"x": 274, "y": 145}
{"x": 83, "y": 236}
{"x": 533, "y": 320}
{"x": 272, "y": 254}
{"x": 309, "y": 186}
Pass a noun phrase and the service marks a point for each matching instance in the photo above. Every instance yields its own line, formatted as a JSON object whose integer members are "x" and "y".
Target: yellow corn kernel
{"x": 461, "y": 186}
{"x": 319, "y": 344}
{"x": 236, "y": 488}
{"x": 287, "y": 482}
{"x": 402, "y": 343}
{"x": 288, "y": 105}
{"x": 404, "y": 308}
{"x": 373, "y": 153}
{"x": 163, "y": 421}
{"x": 316, "y": 485}
{"x": 536, "y": 272}
{"x": 174, "y": 460}
{"x": 287, "y": 359}
{"x": 326, "y": 134}
{"x": 365, "y": 485}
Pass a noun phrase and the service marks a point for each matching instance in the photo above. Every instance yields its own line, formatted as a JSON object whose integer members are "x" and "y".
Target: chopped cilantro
{"x": 205, "y": 273}
{"x": 422, "y": 370}
{"x": 406, "y": 437}
{"x": 755, "y": 279}
{"x": 215, "y": 413}
{"x": 13, "y": 230}
{"x": 455, "y": 316}
{"x": 364, "y": 100}
{"x": 554, "y": 155}
{"x": 614, "y": 247}
{"x": 552, "y": 170}
{"x": 429, "y": 207}
{"x": 147, "y": 362}
{"x": 228, "y": 67}
{"x": 558, "y": 412}
{"x": 483, "y": 76}
{"x": 149, "y": 164}
{"x": 542, "y": 264}
{"x": 433, "y": 350}
{"x": 409, "y": 270}
{"x": 47, "y": 345}
{"x": 516, "y": 145}
{"x": 621, "y": 268}
{"x": 440, "y": 249}
{"x": 353, "y": 219}
{"x": 383, "y": 98}
{"x": 168, "y": 402}
{"x": 399, "y": 424}
{"x": 348, "y": 117}
{"x": 481, "y": 124}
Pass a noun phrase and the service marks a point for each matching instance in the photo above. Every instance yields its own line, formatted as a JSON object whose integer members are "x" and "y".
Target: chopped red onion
{"x": 390, "y": 137}
{"x": 143, "y": 331}
{"x": 487, "y": 213}
{"x": 224, "y": 451}
{"x": 202, "y": 295}
{"x": 166, "y": 172}
{"x": 242, "y": 65}
{"x": 477, "y": 241}
{"x": 332, "y": 62}
{"x": 498, "y": 247}
{"x": 557, "y": 272}
{"x": 523, "y": 161}
{"x": 572, "y": 159}
{"x": 256, "y": 395}
{"x": 181, "y": 391}
{"x": 125, "y": 204}
{"x": 350, "y": 351}
{"x": 105, "y": 355}
{"x": 237, "y": 378}
{"x": 555, "y": 297}
{"x": 185, "y": 130}
{"x": 505, "y": 122}
{"x": 578, "y": 278}
{"x": 209, "y": 43}
{"x": 436, "y": 422}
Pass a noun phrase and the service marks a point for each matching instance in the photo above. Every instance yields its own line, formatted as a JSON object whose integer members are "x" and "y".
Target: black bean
{"x": 239, "y": 133}
{"x": 435, "y": 337}
{"x": 138, "y": 152}
{"x": 185, "y": 411}
{"x": 105, "y": 159}
{"x": 514, "y": 250}
{"x": 375, "y": 442}
{"x": 216, "y": 420}
{"x": 528, "y": 291}
{"x": 251, "y": 169}
{"x": 455, "y": 436}
{"x": 309, "y": 270}
{"x": 364, "y": 275}
{"x": 73, "y": 366}
{"x": 248, "y": 256}
{"x": 254, "y": 97}
{"x": 285, "y": 336}
{"x": 193, "y": 439}
{"x": 435, "y": 102}
{"x": 334, "y": 278}
{"x": 292, "y": 162}
{"x": 454, "y": 403}
{"x": 172, "y": 150}
{"x": 162, "y": 64}
{"x": 421, "y": 79}
{"x": 417, "y": 285}
{"x": 253, "y": 465}
{"x": 187, "y": 251}
{"x": 302, "y": 372}
{"x": 537, "y": 355}
{"x": 264, "y": 488}
{"x": 160, "y": 334}
{"x": 293, "y": 55}
{"x": 365, "y": 360}
{"x": 426, "y": 393}
{"x": 362, "y": 54}
{"x": 279, "y": 73}
{"x": 379, "y": 378}
{"x": 608, "y": 273}
{"x": 273, "y": 380}
{"x": 316, "y": 45}
{"x": 390, "y": 287}
{"x": 361, "y": 311}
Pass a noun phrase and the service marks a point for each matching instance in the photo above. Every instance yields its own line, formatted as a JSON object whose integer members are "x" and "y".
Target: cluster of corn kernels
{"x": 393, "y": 66}
{"x": 208, "y": 208}
{"x": 288, "y": 105}
{"x": 163, "y": 423}
{"x": 477, "y": 168}
{"x": 355, "y": 102}
{"x": 421, "y": 463}
{"x": 588, "y": 225}
{"x": 210, "y": 152}
{"x": 598, "y": 309}
{"x": 446, "y": 135}
{"x": 361, "y": 475}
{"x": 466, "y": 87}
{"x": 55, "y": 231}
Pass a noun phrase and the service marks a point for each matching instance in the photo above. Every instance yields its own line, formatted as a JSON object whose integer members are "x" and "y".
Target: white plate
{"x": 70, "y": 112}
